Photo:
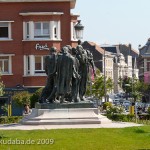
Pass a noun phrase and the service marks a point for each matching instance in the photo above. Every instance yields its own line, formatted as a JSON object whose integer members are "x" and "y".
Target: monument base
{"x": 82, "y": 104}
{"x": 64, "y": 114}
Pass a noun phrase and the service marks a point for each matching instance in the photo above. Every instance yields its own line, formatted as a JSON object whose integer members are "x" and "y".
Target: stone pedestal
{"x": 82, "y": 104}
{"x": 64, "y": 114}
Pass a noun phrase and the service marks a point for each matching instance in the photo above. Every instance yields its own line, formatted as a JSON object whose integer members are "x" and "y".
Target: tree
{"x": 127, "y": 84}
{"x": 134, "y": 87}
{"x": 98, "y": 90}
{"x": 143, "y": 87}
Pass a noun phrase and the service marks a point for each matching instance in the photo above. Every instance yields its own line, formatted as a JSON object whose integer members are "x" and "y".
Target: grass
{"x": 134, "y": 138}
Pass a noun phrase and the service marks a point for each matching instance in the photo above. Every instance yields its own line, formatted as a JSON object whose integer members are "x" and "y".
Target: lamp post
{"x": 79, "y": 31}
{"x": 104, "y": 76}
{"x": 135, "y": 104}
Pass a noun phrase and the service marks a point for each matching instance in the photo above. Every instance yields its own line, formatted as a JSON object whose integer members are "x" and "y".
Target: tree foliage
{"x": 22, "y": 98}
{"x": 97, "y": 88}
{"x": 35, "y": 97}
{"x": 134, "y": 87}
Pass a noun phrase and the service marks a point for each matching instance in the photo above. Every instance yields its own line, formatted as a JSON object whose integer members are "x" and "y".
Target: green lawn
{"x": 135, "y": 138}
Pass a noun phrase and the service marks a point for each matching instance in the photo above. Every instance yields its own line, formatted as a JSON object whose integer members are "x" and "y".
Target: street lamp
{"x": 133, "y": 76}
{"x": 79, "y": 30}
{"x": 104, "y": 76}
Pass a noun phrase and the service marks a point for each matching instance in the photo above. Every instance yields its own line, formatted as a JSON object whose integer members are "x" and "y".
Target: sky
{"x": 115, "y": 21}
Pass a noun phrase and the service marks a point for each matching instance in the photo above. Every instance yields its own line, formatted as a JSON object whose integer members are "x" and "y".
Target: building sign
{"x": 41, "y": 47}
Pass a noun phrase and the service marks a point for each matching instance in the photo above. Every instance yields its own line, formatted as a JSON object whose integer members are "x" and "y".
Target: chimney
{"x": 130, "y": 48}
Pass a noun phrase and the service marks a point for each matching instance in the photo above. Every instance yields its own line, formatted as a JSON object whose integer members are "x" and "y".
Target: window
{"x": 34, "y": 65}
{"x": 56, "y": 30}
{"x": 48, "y": 30}
{"x": 41, "y": 30}
{"x": 73, "y": 33}
{"x": 5, "y": 64}
{"x": 27, "y": 29}
{"x": 39, "y": 64}
{"x": 5, "y": 30}
{"x": 28, "y": 64}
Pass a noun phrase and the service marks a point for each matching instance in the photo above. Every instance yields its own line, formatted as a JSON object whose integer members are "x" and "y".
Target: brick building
{"x": 28, "y": 28}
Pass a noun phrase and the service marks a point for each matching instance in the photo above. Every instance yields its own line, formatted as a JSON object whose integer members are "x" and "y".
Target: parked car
{"x": 126, "y": 104}
{"x": 116, "y": 100}
{"x": 122, "y": 100}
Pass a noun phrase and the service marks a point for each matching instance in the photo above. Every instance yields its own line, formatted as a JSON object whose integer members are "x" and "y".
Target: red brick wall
{"x": 36, "y": 81}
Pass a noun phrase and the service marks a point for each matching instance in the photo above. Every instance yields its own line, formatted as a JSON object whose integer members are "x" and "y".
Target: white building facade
{"x": 122, "y": 69}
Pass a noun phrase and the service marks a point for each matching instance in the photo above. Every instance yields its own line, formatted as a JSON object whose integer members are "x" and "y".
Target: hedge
{"x": 121, "y": 117}
{"x": 9, "y": 120}
{"x": 144, "y": 116}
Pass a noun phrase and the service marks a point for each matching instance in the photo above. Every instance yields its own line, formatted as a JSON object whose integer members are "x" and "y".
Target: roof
{"x": 128, "y": 50}
{"x": 145, "y": 50}
{"x": 98, "y": 53}
{"x": 132, "y": 49}
{"x": 97, "y": 47}
{"x": 72, "y": 2}
{"x": 100, "y": 49}
{"x": 111, "y": 49}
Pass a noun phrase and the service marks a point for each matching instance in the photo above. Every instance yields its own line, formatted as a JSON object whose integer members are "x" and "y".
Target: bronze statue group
{"x": 67, "y": 74}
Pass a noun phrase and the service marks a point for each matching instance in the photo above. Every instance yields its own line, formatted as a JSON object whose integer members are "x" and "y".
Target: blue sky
{"x": 115, "y": 21}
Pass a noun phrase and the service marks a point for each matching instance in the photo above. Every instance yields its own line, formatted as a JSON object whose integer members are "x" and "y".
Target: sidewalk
{"x": 47, "y": 127}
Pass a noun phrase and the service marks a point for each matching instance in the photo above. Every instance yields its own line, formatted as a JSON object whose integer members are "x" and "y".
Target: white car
{"x": 116, "y": 100}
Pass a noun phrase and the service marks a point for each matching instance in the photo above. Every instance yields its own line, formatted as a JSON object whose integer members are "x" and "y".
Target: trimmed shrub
{"x": 35, "y": 97}
{"x": 121, "y": 117}
{"x": 107, "y": 104}
{"x": 22, "y": 98}
{"x": 9, "y": 120}
{"x": 114, "y": 109}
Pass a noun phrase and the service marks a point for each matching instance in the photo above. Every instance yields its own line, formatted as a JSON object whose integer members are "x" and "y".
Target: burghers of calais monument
{"x": 67, "y": 74}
